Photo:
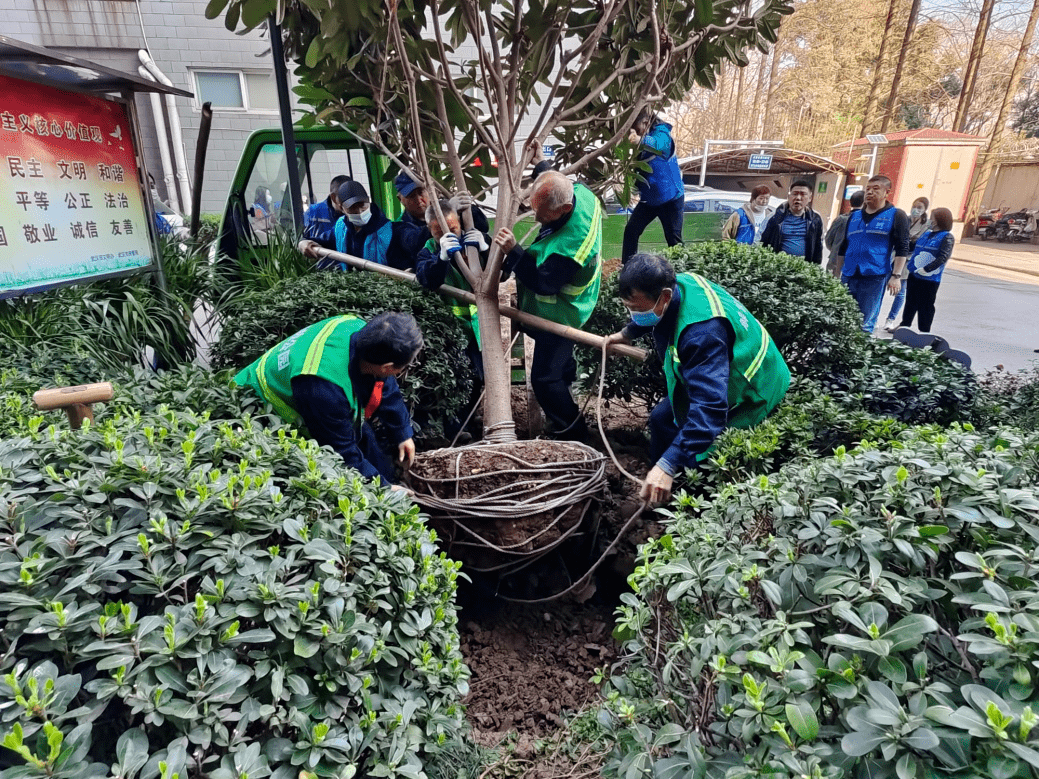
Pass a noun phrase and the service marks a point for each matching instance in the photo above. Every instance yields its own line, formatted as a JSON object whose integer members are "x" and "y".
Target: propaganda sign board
{"x": 71, "y": 199}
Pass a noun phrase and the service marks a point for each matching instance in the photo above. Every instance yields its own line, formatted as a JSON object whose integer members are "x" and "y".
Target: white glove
{"x": 462, "y": 200}
{"x": 475, "y": 238}
{"x": 449, "y": 243}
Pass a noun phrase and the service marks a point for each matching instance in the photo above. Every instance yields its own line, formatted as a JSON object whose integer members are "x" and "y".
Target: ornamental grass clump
{"x": 187, "y": 597}
{"x": 875, "y": 613}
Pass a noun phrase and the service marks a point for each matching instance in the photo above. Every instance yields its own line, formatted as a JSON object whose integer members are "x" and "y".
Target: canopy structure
{"x": 43, "y": 66}
{"x": 730, "y": 162}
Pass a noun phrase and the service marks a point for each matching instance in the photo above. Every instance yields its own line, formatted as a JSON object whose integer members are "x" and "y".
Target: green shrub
{"x": 1013, "y": 398}
{"x": 809, "y": 315}
{"x": 115, "y": 320}
{"x": 808, "y": 423}
{"x": 439, "y": 385}
{"x": 916, "y": 386}
{"x": 137, "y": 390}
{"x": 871, "y": 614}
{"x": 190, "y": 597}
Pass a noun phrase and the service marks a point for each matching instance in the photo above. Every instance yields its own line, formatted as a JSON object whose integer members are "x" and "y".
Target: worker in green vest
{"x": 334, "y": 376}
{"x": 721, "y": 367}
{"x": 557, "y": 278}
{"x": 435, "y": 266}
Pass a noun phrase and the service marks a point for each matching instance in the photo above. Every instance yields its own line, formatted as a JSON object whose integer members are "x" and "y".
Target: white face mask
{"x": 360, "y": 219}
{"x": 916, "y": 212}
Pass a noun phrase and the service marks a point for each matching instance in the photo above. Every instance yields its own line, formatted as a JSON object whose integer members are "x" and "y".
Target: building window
{"x": 236, "y": 90}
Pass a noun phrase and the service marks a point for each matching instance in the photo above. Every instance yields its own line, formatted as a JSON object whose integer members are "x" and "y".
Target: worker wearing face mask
{"x": 363, "y": 230}
{"x": 721, "y": 367}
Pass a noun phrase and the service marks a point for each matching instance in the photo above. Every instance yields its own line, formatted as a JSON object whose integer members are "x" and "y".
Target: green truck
{"x": 323, "y": 153}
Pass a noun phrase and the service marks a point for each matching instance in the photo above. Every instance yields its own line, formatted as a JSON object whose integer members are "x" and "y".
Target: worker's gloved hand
{"x": 449, "y": 244}
{"x": 462, "y": 200}
{"x": 475, "y": 238}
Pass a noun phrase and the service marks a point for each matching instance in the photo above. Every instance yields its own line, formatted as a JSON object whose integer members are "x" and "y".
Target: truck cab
{"x": 259, "y": 203}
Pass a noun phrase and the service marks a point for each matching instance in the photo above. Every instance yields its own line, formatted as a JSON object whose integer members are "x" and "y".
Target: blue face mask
{"x": 646, "y": 318}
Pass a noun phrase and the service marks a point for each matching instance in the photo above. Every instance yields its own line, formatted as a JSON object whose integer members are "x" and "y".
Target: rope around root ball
{"x": 552, "y": 488}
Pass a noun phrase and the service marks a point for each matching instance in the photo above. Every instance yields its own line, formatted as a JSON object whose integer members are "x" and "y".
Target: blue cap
{"x": 405, "y": 184}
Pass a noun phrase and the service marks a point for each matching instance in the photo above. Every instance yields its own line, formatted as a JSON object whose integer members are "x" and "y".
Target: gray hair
{"x": 447, "y": 207}
{"x": 553, "y": 190}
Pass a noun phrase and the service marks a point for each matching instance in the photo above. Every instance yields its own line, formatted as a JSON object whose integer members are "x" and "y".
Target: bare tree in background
{"x": 984, "y": 172}
{"x": 878, "y": 72}
{"x": 892, "y": 98}
{"x": 970, "y": 72}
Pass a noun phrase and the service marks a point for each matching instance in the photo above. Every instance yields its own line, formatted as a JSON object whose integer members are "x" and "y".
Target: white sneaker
{"x": 891, "y": 325}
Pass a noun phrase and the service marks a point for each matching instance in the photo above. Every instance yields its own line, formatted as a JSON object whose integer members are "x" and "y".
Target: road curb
{"x": 1004, "y": 268}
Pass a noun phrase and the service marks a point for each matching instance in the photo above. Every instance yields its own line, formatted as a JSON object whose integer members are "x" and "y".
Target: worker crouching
{"x": 336, "y": 375}
{"x": 721, "y": 367}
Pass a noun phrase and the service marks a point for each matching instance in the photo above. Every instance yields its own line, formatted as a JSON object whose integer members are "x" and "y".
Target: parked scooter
{"x": 1017, "y": 227}
{"x": 987, "y": 223}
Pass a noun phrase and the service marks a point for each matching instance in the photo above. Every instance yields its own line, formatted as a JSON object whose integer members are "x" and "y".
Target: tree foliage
{"x": 492, "y": 76}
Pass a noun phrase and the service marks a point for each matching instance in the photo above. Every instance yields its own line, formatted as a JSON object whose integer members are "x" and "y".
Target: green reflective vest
{"x": 580, "y": 239}
{"x": 465, "y": 311}
{"x": 758, "y": 375}
{"x": 323, "y": 350}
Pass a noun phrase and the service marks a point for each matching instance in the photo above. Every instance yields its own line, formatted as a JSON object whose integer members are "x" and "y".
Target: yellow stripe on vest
{"x": 712, "y": 296}
{"x": 280, "y": 407}
{"x": 759, "y": 358}
{"x": 589, "y": 240}
{"x": 317, "y": 346}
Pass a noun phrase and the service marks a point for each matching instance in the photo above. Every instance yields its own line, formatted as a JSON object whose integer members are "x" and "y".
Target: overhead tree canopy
{"x": 440, "y": 85}
{"x": 495, "y": 75}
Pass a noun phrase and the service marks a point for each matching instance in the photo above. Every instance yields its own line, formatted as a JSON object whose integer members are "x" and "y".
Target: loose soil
{"x": 532, "y": 664}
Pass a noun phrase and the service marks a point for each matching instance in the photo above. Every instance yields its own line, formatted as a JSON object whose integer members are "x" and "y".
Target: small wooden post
{"x": 75, "y": 400}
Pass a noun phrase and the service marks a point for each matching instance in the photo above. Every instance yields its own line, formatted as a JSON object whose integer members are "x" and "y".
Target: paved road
{"x": 993, "y": 320}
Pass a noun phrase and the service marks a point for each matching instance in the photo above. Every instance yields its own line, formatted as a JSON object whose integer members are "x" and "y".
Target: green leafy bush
{"x": 809, "y": 315}
{"x": 137, "y": 390}
{"x": 1013, "y": 398}
{"x": 190, "y": 597}
{"x": 115, "y": 320}
{"x": 439, "y": 385}
{"x": 808, "y": 423}
{"x": 916, "y": 386}
{"x": 875, "y": 613}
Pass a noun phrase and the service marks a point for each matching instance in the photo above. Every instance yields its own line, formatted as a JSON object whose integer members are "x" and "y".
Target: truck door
{"x": 259, "y": 210}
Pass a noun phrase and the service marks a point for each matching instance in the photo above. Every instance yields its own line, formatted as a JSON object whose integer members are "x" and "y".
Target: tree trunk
{"x": 759, "y": 93}
{"x": 989, "y": 158}
{"x": 874, "y": 90}
{"x": 892, "y": 98}
{"x": 737, "y": 108}
{"x": 773, "y": 73}
{"x": 970, "y": 73}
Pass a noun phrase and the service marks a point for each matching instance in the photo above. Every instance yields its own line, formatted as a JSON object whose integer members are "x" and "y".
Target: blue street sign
{"x": 760, "y": 162}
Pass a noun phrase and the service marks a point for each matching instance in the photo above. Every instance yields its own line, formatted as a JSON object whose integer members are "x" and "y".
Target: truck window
{"x": 327, "y": 163}
{"x": 266, "y": 193}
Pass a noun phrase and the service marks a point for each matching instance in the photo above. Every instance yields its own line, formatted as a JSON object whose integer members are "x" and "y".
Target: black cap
{"x": 352, "y": 192}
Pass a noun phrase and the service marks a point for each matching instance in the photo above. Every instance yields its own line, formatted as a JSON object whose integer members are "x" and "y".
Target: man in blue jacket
{"x": 363, "y": 230}
{"x": 874, "y": 251}
{"x": 661, "y": 192}
{"x": 320, "y": 220}
{"x": 795, "y": 228}
{"x": 411, "y": 233}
